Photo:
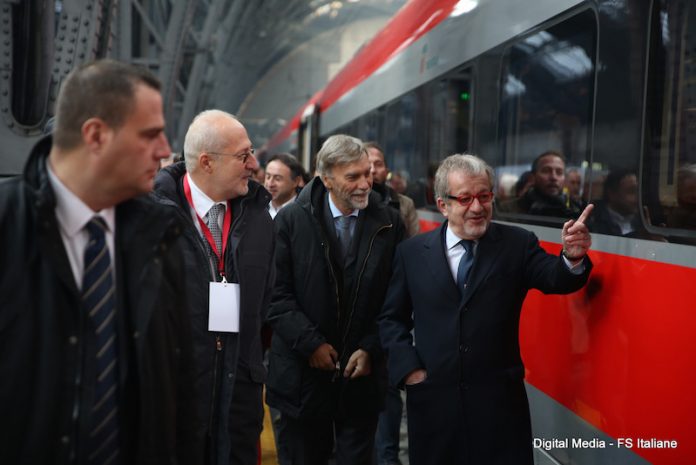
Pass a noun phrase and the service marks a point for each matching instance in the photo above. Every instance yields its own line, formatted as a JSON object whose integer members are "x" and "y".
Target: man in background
{"x": 95, "y": 351}
{"x": 283, "y": 177}
{"x": 403, "y": 204}
{"x": 228, "y": 246}
{"x": 546, "y": 196}
{"x": 389, "y": 424}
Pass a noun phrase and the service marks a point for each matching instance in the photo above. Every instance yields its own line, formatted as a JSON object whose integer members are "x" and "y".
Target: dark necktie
{"x": 214, "y": 226}
{"x": 465, "y": 264}
{"x": 98, "y": 301}
{"x": 343, "y": 232}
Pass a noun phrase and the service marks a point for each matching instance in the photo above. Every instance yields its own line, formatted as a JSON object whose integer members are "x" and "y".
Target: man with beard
{"x": 460, "y": 288}
{"x": 546, "y": 196}
{"x": 334, "y": 255}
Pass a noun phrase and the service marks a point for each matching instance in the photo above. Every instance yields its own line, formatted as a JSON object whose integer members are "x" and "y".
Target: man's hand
{"x": 358, "y": 365}
{"x": 324, "y": 357}
{"x": 416, "y": 377}
{"x": 576, "y": 237}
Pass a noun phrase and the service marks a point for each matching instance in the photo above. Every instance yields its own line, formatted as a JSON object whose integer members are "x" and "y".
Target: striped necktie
{"x": 212, "y": 221}
{"x": 98, "y": 302}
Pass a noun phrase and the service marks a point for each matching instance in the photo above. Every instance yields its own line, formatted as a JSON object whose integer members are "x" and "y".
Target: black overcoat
{"x": 315, "y": 300}
{"x": 472, "y": 408}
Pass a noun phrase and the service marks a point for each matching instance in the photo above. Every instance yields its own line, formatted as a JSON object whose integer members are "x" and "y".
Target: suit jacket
{"x": 472, "y": 408}
{"x": 43, "y": 332}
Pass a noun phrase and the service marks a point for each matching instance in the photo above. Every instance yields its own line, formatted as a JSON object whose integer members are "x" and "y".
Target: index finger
{"x": 585, "y": 213}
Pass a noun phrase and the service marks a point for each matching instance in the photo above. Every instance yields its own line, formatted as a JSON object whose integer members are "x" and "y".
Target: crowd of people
{"x": 134, "y": 297}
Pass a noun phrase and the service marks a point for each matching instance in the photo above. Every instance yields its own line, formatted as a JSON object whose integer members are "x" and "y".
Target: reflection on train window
{"x": 450, "y": 108}
{"x": 546, "y": 87}
{"x": 405, "y": 138}
{"x": 669, "y": 175}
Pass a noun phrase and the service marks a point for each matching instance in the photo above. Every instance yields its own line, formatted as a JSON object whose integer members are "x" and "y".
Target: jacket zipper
{"x": 357, "y": 288}
{"x": 213, "y": 400}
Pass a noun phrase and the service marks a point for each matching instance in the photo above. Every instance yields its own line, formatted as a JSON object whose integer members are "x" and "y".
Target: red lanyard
{"x": 226, "y": 224}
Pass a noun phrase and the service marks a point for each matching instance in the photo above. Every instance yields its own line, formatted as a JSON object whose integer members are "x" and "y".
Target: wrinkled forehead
{"x": 463, "y": 181}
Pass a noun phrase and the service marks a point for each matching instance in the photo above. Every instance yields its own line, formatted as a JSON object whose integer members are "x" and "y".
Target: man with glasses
{"x": 461, "y": 288}
{"x": 229, "y": 248}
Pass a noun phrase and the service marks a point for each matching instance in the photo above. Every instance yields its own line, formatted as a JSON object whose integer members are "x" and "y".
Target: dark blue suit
{"x": 472, "y": 408}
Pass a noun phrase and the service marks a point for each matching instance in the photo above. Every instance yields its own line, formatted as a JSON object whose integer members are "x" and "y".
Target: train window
{"x": 669, "y": 160}
{"x": 405, "y": 143}
{"x": 369, "y": 126}
{"x": 546, "y": 98}
{"x": 450, "y": 110}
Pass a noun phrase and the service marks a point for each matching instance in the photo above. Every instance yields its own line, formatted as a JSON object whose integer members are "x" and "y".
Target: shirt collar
{"x": 452, "y": 240}
{"x": 335, "y": 212}
{"x": 201, "y": 202}
{"x": 71, "y": 212}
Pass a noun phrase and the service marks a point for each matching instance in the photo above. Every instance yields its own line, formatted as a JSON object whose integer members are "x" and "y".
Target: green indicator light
{"x": 464, "y": 96}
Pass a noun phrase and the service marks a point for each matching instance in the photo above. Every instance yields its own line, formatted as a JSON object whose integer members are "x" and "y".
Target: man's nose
{"x": 163, "y": 149}
{"x": 252, "y": 163}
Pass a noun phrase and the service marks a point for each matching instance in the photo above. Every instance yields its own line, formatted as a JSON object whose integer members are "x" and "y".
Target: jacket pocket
{"x": 285, "y": 377}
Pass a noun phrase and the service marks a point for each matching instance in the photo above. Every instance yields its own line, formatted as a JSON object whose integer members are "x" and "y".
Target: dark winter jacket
{"x": 42, "y": 329}
{"x": 248, "y": 261}
{"x": 316, "y": 301}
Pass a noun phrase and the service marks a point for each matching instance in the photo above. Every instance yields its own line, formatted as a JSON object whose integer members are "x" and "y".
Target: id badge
{"x": 223, "y": 310}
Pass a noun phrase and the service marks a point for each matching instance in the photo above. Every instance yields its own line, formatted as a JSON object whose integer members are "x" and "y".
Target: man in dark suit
{"x": 95, "y": 349}
{"x": 461, "y": 288}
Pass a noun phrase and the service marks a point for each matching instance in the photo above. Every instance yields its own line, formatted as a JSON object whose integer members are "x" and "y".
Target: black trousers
{"x": 310, "y": 442}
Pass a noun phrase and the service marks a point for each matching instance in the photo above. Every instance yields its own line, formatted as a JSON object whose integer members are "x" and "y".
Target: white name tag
{"x": 223, "y": 311}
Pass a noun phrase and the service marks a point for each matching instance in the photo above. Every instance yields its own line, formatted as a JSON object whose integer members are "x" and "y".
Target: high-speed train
{"x": 610, "y": 84}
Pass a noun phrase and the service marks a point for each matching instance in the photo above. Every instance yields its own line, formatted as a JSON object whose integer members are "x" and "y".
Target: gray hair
{"x": 470, "y": 164}
{"x": 339, "y": 149}
{"x": 205, "y": 134}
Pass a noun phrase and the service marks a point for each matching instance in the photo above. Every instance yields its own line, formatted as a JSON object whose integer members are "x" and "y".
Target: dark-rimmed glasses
{"x": 467, "y": 200}
{"x": 240, "y": 156}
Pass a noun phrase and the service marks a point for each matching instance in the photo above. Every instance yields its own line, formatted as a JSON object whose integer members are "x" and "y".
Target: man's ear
{"x": 95, "y": 133}
{"x": 328, "y": 182}
{"x": 204, "y": 162}
{"x": 442, "y": 206}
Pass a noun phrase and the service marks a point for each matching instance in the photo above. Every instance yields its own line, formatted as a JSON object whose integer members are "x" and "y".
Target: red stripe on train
{"x": 408, "y": 25}
{"x": 619, "y": 353}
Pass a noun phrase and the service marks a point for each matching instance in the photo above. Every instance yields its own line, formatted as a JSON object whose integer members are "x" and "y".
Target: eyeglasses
{"x": 240, "y": 156}
{"x": 467, "y": 200}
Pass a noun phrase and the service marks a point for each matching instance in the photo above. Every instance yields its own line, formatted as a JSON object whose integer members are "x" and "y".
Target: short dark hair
{"x": 296, "y": 169}
{"x": 613, "y": 180}
{"x": 103, "y": 89}
{"x": 374, "y": 145}
{"x": 535, "y": 163}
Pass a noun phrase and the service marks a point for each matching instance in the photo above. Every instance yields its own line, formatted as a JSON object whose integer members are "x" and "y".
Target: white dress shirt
{"x": 274, "y": 211}
{"x": 202, "y": 204}
{"x": 455, "y": 252}
{"x": 73, "y": 215}
{"x": 335, "y": 213}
